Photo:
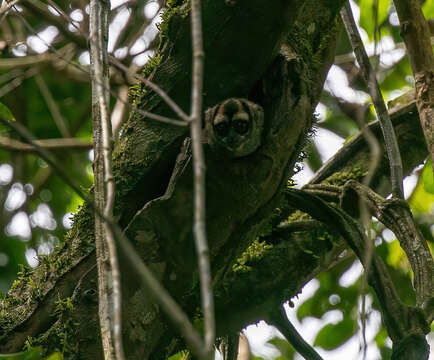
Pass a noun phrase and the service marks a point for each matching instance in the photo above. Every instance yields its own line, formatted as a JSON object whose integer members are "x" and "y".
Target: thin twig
{"x": 299, "y": 226}
{"x": 136, "y": 17}
{"x": 124, "y": 5}
{"x": 416, "y": 34}
{"x": 368, "y": 73}
{"x": 30, "y": 60}
{"x": 5, "y": 7}
{"x": 40, "y": 11}
{"x": 146, "y": 114}
{"x": 390, "y": 144}
{"x": 11, "y": 85}
{"x": 104, "y": 191}
{"x": 10, "y": 75}
{"x": 44, "y": 154}
{"x": 52, "y": 106}
{"x": 166, "y": 98}
{"x": 349, "y": 57}
{"x": 375, "y": 152}
{"x": 199, "y": 178}
{"x": 66, "y": 17}
{"x": 49, "y": 144}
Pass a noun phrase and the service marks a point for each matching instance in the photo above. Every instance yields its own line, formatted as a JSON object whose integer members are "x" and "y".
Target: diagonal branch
{"x": 53, "y": 107}
{"x": 38, "y": 9}
{"x": 166, "y": 98}
{"x": 377, "y": 98}
{"x": 279, "y": 319}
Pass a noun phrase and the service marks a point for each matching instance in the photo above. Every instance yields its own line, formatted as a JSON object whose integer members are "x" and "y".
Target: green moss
{"x": 62, "y": 335}
{"x": 35, "y": 290}
{"x": 63, "y": 305}
{"x": 253, "y": 253}
{"x": 298, "y": 215}
{"x": 33, "y": 284}
{"x": 138, "y": 91}
{"x": 340, "y": 178}
{"x": 179, "y": 8}
{"x": 15, "y": 286}
{"x": 173, "y": 7}
{"x": 23, "y": 271}
{"x": 310, "y": 44}
{"x": 299, "y": 39}
{"x": 135, "y": 93}
{"x": 29, "y": 343}
{"x": 152, "y": 63}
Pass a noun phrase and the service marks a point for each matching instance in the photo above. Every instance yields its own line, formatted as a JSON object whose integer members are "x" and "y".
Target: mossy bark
{"x": 276, "y": 53}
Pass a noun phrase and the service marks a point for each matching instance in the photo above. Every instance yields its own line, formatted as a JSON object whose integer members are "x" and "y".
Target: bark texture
{"x": 276, "y": 53}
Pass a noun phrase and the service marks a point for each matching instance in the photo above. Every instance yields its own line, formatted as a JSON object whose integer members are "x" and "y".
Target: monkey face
{"x": 234, "y": 127}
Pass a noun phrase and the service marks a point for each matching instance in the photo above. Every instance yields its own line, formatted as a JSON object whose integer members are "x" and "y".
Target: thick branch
{"x": 281, "y": 322}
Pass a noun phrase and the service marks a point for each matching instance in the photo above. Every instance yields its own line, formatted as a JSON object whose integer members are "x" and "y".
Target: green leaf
{"x": 422, "y": 199}
{"x": 32, "y": 354}
{"x": 427, "y": 177}
{"x": 333, "y": 335}
{"x": 367, "y": 14}
{"x": 428, "y": 9}
{"x": 285, "y": 348}
{"x": 6, "y": 113}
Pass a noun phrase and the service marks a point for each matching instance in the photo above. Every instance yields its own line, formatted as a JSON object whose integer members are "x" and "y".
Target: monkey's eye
{"x": 222, "y": 128}
{"x": 240, "y": 126}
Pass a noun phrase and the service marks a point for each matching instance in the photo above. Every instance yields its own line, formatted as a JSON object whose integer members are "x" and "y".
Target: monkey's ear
{"x": 209, "y": 117}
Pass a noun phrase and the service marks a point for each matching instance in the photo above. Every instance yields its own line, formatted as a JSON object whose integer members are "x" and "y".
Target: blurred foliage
{"x": 182, "y": 355}
{"x": 374, "y": 16}
{"x": 39, "y": 188}
{"x": 31, "y": 354}
{"x": 285, "y": 348}
{"x": 6, "y": 113}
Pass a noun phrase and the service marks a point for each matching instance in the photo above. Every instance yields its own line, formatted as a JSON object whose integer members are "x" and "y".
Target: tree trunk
{"x": 275, "y": 53}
